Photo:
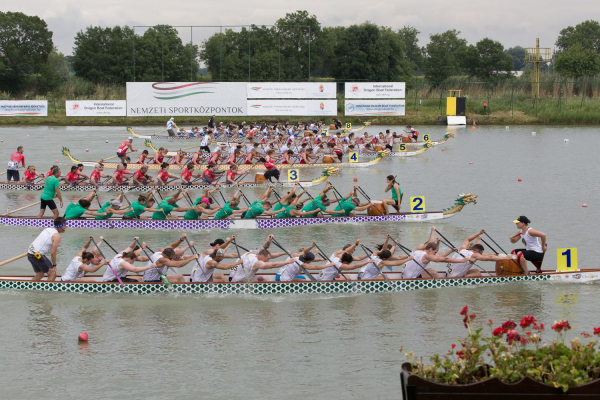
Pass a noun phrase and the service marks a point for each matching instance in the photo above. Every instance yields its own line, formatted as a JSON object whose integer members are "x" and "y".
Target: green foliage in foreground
{"x": 513, "y": 352}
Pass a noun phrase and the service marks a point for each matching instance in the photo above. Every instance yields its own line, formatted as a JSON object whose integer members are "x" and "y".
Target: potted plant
{"x": 512, "y": 363}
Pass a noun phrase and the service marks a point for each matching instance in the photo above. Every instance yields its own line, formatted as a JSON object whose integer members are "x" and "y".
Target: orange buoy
{"x": 584, "y": 205}
{"x": 83, "y": 337}
{"x": 355, "y": 179}
{"x": 520, "y": 179}
{"x": 471, "y": 162}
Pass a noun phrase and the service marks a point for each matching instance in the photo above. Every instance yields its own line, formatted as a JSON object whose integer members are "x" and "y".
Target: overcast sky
{"x": 512, "y": 22}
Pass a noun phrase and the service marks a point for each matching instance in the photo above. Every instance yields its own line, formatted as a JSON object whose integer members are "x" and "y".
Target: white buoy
{"x": 507, "y": 128}
{"x": 566, "y": 141}
{"x": 532, "y": 133}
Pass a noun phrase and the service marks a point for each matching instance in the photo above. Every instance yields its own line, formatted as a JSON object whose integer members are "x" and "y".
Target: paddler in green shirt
{"x": 320, "y": 203}
{"x": 81, "y": 207}
{"x": 260, "y": 206}
{"x": 113, "y": 207}
{"x": 286, "y": 200}
{"x": 202, "y": 205}
{"x": 169, "y": 205}
{"x": 231, "y": 207}
{"x": 142, "y": 204}
{"x": 51, "y": 190}
{"x": 396, "y": 195}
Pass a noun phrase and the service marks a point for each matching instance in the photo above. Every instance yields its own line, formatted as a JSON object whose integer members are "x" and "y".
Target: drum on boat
{"x": 259, "y": 178}
{"x": 405, "y": 139}
{"x": 332, "y": 127}
{"x": 379, "y": 147}
{"x": 307, "y": 133}
{"x": 508, "y": 267}
{"x": 377, "y": 209}
{"x": 328, "y": 160}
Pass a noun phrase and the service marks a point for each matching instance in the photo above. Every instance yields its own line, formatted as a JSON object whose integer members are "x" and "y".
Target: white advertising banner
{"x": 292, "y": 107}
{"x": 373, "y": 108}
{"x": 291, "y": 90}
{"x": 185, "y": 98}
{"x": 23, "y": 108}
{"x": 375, "y": 90}
{"x": 96, "y": 108}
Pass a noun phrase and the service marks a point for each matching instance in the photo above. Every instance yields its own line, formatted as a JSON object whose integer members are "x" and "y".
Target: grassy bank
{"x": 429, "y": 112}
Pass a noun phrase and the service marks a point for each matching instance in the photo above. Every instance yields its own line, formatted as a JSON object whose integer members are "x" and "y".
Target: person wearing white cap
{"x": 170, "y": 125}
{"x": 122, "y": 150}
{"x": 207, "y": 265}
{"x": 113, "y": 207}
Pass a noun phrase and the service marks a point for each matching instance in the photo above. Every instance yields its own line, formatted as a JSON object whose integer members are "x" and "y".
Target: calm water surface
{"x": 297, "y": 346}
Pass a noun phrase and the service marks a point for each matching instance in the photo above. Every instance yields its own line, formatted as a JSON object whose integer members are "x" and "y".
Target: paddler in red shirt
{"x": 232, "y": 173}
{"x": 12, "y": 171}
{"x": 97, "y": 174}
{"x": 141, "y": 177}
{"x": 122, "y": 150}
{"x": 72, "y": 177}
{"x": 163, "y": 175}
{"x": 119, "y": 177}
{"x": 187, "y": 175}
{"x": 30, "y": 175}
{"x": 209, "y": 176}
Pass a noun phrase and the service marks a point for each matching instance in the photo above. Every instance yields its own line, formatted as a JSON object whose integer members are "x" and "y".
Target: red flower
{"x": 527, "y": 321}
{"x": 498, "y": 332}
{"x": 561, "y": 326}
{"x": 597, "y": 331}
{"x": 465, "y": 310}
{"x": 523, "y": 340}
{"x": 453, "y": 345}
{"x": 512, "y": 336}
{"x": 528, "y": 333}
{"x": 509, "y": 325}
{"x": 585, "y": 334}
{"x": 460, "y": 354}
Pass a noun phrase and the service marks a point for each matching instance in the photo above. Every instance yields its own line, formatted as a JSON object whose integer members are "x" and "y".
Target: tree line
{"x": 294, "y": 48}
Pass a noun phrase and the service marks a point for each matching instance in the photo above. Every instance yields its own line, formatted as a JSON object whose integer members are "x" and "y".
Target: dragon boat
{"x": 231, "y": 139}
{"x": 374, "y": 215}
{"x": 259, "y": 181}
{"x": 395, "y": 283}
{"x": 224, "y": 167}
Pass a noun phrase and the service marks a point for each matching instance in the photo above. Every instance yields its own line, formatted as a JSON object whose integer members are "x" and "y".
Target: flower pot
{"x": 415, "y": 387}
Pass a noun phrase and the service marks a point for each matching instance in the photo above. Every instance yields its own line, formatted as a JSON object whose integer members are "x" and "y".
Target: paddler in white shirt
{"x": 84, "y": 262}
{"x": 474, "y": 252}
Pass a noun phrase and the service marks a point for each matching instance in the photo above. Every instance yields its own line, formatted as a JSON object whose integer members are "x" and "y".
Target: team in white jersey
{"x": 473, "y": 252}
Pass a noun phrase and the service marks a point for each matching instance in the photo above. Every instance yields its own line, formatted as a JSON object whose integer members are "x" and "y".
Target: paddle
{"x": 100, "y": 208}
{"x": 13, "y": 259}
{"x": 304, "y": 271}
{"x": 520, "y": 267}
{"x": 407, "y": 252}
{"x": 22, "y": 208}
{"x": 109, "y": 266}
{"x": 334, "y": 266}
{"x": 194, "y": 252}
{"x": 162, "y": 276}
{"x": 312, "y": 198}
{"x": 449, "y": 244}
{"x": 137, "y": 217}
{"x": 385, "y": 278}
{"x": 242, "y": 266}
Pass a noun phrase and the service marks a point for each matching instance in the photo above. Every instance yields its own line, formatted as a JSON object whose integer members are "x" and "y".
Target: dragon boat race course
{"x": 338, "y": 342}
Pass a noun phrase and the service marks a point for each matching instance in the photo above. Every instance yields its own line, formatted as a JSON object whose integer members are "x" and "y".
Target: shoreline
{"x": 411, "y": 118}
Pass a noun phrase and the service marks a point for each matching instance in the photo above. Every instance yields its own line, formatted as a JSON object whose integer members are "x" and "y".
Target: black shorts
{"x": 170, "y": 132}
{"x": 47, "y": 203}
{"x": 205, "y": 148}
{"x": 121, "y": 155}
{"x": 339, "y": 156}
{"x": 389, "y": 147}
{"x": 12, "y": 174}
{"x": 530, "y": 255}
{"x": 274, "y": 173}
{"x": 40, "y": 265}
{"x": 123, "y": 279}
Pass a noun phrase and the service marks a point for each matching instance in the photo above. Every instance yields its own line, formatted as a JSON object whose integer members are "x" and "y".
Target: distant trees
{"x": 443, "y": 55}
{"x": 487, "y": 60}
{"x": 518, "y": 56}
{"x": 579, "y": 50}
{"x": 25, "y": 44}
